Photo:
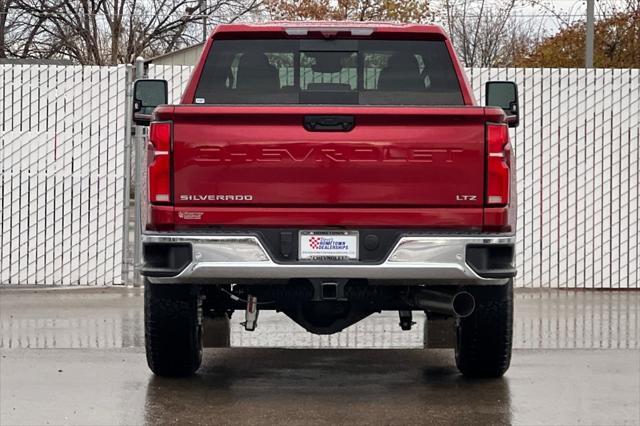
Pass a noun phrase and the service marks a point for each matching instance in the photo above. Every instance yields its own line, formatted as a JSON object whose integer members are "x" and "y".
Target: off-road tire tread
{"x": 484, "y": 339}
{"x": 173, "y": 334}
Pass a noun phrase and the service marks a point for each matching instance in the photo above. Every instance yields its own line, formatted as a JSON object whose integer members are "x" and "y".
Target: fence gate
{"x": 577, "y": 157}
{"x": 62, "y": 157}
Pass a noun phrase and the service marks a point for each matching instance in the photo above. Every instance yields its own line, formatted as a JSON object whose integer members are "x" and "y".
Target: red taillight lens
{"x": 159, "y": 162}
{"x": 498, "y": 165}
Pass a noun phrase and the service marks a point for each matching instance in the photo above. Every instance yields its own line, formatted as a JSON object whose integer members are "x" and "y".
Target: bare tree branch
{"x": 101, "y": 32}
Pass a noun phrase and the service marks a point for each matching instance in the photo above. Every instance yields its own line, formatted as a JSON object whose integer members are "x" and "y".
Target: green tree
{"x": 617, "y": 45}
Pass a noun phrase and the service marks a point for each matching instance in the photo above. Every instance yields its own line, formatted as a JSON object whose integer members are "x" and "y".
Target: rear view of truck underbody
{"x": 398, "y": 271}
{"x": 329, "y": 306}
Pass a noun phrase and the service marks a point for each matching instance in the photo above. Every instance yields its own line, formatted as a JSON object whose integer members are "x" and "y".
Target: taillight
{"x": 498, "y": 165}
{"x": 159, "y": 162}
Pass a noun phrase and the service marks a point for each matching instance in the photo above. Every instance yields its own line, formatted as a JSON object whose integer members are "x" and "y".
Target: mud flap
{"x": 440, "y": 333}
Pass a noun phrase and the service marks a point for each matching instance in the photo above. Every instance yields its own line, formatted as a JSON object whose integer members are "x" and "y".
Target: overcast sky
{"x": 567, "y": 10}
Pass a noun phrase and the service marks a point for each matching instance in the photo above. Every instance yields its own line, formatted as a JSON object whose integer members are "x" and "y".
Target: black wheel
{"x": 173, "y": 330}
{"x": 483, "y": 339}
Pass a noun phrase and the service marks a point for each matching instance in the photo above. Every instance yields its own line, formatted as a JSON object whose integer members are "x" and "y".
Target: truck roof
{"x": 356, "y": 27}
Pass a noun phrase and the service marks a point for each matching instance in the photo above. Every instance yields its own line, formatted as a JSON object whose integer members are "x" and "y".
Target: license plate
{"x": 328, "y": 245}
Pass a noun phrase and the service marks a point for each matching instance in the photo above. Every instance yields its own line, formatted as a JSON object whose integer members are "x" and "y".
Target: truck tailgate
{"x": 265, "y": 157}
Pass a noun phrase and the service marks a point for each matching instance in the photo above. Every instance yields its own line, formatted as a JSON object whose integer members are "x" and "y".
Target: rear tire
{"x": 173, "y": 329}
{"x": 483, "y": 339}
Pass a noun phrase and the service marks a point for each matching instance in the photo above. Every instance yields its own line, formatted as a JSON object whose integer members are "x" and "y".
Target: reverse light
{"x": 498, "y": 165}
{"x": 159, "y": 162}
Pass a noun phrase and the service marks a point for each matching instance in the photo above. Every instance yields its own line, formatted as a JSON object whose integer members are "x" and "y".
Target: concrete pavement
{"x": 76, "y": 357}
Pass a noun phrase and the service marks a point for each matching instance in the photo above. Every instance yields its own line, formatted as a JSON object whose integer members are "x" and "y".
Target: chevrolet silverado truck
{"x": 328, "y": 171}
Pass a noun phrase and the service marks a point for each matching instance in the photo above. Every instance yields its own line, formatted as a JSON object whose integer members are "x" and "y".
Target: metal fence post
{"x": 137, "y": 254}
{"x": 588, "y": 55}
{"x": 126, "y": 225}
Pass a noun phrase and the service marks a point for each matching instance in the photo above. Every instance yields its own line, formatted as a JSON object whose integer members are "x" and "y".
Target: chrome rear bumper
{"x": 429, "y": 259}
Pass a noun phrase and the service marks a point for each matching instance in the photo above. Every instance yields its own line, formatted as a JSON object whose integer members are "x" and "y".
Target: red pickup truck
{"x": 328, "y": 171}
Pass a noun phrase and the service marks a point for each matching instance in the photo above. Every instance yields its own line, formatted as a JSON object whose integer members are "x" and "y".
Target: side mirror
{"x": 504, "y": 94}
{"x": 147, "y": 95}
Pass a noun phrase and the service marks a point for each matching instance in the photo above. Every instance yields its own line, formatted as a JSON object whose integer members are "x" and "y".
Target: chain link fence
{"x": 62, "y": 159}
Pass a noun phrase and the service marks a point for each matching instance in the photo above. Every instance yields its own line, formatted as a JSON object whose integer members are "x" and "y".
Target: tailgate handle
{"x": 329, "y": 123}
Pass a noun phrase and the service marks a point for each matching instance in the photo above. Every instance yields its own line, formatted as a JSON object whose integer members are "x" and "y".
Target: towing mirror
{"x": 504, "y": 94}
{"x": 147, "y": 95}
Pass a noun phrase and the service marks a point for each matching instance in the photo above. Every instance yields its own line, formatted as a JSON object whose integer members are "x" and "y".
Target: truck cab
{"x": 328, "y": 171}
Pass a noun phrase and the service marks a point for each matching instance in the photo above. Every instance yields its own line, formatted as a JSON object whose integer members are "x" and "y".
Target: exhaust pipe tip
{"x": 463, "y": 304}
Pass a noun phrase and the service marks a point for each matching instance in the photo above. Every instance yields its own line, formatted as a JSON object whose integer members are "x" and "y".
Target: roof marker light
{"x": 303, "y": 31}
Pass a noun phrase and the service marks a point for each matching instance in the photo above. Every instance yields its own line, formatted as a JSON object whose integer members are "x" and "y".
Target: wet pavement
{"x": 76, "y": 357}
{"x": 112, "y": 318}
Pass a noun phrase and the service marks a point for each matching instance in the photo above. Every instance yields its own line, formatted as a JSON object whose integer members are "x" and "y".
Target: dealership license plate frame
{"x": 351, "y": 256}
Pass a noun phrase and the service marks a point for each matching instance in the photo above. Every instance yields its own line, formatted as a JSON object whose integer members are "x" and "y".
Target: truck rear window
{"x": 352, "y": 72}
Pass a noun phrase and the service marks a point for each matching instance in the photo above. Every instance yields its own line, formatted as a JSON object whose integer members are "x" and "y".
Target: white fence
{"x": 62, "y": 145}
{"x": 578, "y": 175}
{"x": 578, "y": 155}
{"x": 62, "y": 159}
